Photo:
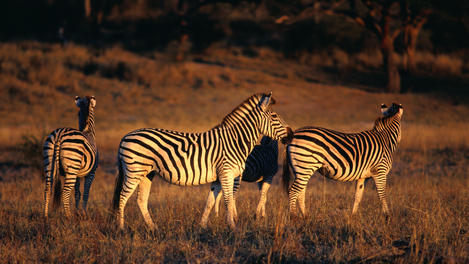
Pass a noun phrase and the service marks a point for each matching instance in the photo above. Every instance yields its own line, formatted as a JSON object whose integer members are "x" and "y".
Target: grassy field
{"x": 428, "y": 185}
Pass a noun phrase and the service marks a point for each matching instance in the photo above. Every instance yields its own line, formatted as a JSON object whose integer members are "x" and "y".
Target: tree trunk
{"x": 411, "y": 34}
{"x": 88, "y": 8}
{"x": 410, "y": 41}
{"x": 389, "y": 59}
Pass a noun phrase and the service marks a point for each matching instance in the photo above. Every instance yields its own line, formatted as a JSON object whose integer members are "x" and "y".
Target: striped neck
{"x": 87, "y": 126}
{"x": 390, "y": 129}
{"x": 241, "y": 127}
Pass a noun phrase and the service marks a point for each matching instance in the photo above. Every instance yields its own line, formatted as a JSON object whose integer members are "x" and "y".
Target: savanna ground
{"x": 427, "y": 187}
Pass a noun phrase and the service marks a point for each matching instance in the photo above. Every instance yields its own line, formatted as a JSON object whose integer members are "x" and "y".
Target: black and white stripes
{"x": 194, "y": 158}
{"x": 261, "y": 166}
{"x": 343, "y": 157}
{"x": 73, "y": 154}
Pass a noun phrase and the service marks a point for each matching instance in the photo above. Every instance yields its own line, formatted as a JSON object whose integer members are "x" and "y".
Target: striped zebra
{"x": 343, "y": 157}
{"x": 194, "y": 158}
{"x": 73, "y": 154}
{"x": 261, "y": 166}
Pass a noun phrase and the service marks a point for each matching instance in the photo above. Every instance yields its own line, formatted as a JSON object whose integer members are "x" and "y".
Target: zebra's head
{"x": 271, "y": 124}
{"x": 391, "y": 119}
{"x": 86, "y": 105}
{"x": 393, "y": 110}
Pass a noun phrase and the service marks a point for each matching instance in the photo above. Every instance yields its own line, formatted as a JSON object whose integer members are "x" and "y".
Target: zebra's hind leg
{"x": 260, "y": 211}
{"x": 297, "y": 192}
{"x": 301, "y": 202}
{"x": 47, "y": 196}
{"x": 86, "y": 191}
{"x": 142, "y": 199}
{"x": 77, "y": 193}
{"x": 129, "y": 185}
{"x": 380, "y": 182}
{"x": 213, "y": 196}
{"x": 358, "y": 194}
{"x": 70, "y": 180}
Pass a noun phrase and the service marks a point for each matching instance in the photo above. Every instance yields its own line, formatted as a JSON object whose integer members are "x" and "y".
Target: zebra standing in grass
{"x": 73, "y": 154}
{"x": 261, "y": 166}
{"x": 194, "y": 158}
{"x": 343, "y": 157}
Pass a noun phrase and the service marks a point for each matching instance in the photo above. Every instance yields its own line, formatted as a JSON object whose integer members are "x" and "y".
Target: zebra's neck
{"x": 391, "y": 132}
{"x": 240, "y": 134}
{"x": 89, "y": 129}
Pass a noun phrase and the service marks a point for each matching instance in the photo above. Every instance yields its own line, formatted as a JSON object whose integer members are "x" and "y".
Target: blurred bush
{"x": 30, "y": 150}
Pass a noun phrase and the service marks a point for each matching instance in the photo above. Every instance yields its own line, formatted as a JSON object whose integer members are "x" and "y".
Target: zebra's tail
{"x": 286, "y": 173}
{"x": 55, "y": 174}
{"x": 118, "y": 188}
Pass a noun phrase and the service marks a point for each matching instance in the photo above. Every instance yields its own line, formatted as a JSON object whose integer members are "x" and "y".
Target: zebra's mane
{"x": 249, "y": 104}
{"x": 383, "y": 122}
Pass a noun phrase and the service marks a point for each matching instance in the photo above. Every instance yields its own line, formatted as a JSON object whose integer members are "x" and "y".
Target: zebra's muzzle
{"x": 288, "y": 138}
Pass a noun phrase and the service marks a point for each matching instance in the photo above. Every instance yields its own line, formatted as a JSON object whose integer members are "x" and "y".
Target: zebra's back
{"x": 179, "y": 158}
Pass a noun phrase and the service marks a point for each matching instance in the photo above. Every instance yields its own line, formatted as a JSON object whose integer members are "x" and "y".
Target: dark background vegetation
{"x": 294, "y": 29}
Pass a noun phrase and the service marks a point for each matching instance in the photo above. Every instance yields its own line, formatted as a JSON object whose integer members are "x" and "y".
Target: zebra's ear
{"x": 93, "y": 101}
{"x": 77, "y": 101}
{"x": 265, "y": 101}
{"x": 384, "y": 108}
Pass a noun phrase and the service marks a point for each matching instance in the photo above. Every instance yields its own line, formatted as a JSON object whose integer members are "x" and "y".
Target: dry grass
{"x": 427, "y": 186}
{"x": 427, "y": 190}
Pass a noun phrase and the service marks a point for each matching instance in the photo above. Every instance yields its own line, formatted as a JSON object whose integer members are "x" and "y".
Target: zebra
{"x": 73, "y": 154}
{"x": 261, "y": 166}
{"x": 188, "y": 159}
{"x": 343, "y": 157}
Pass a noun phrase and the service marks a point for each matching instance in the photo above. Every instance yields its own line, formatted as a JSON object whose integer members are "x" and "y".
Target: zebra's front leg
{"x": 86, "y": 192}
{"x": 213, "y": 196}
{"x": 227, "y": 182}
{"x": 77, "y": 193}
{"x": 69, "y": 184}
{"x": 260, "y": 211}
{"x": 236, "y": 185}
{"x": 380, "y": 182}
{"x": 358, "y": 194}
{"x": 142, "y": 199}
{"x": 217, "y": 201}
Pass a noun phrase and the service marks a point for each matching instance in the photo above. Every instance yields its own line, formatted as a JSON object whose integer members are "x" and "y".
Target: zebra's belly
{"x": 251, "y": 178}
{"x": 341, "y": 175}
{"x": 189, "y": 178}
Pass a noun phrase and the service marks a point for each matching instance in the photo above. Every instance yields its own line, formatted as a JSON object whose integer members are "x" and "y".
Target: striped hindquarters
{"x": 75, "y": 152}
